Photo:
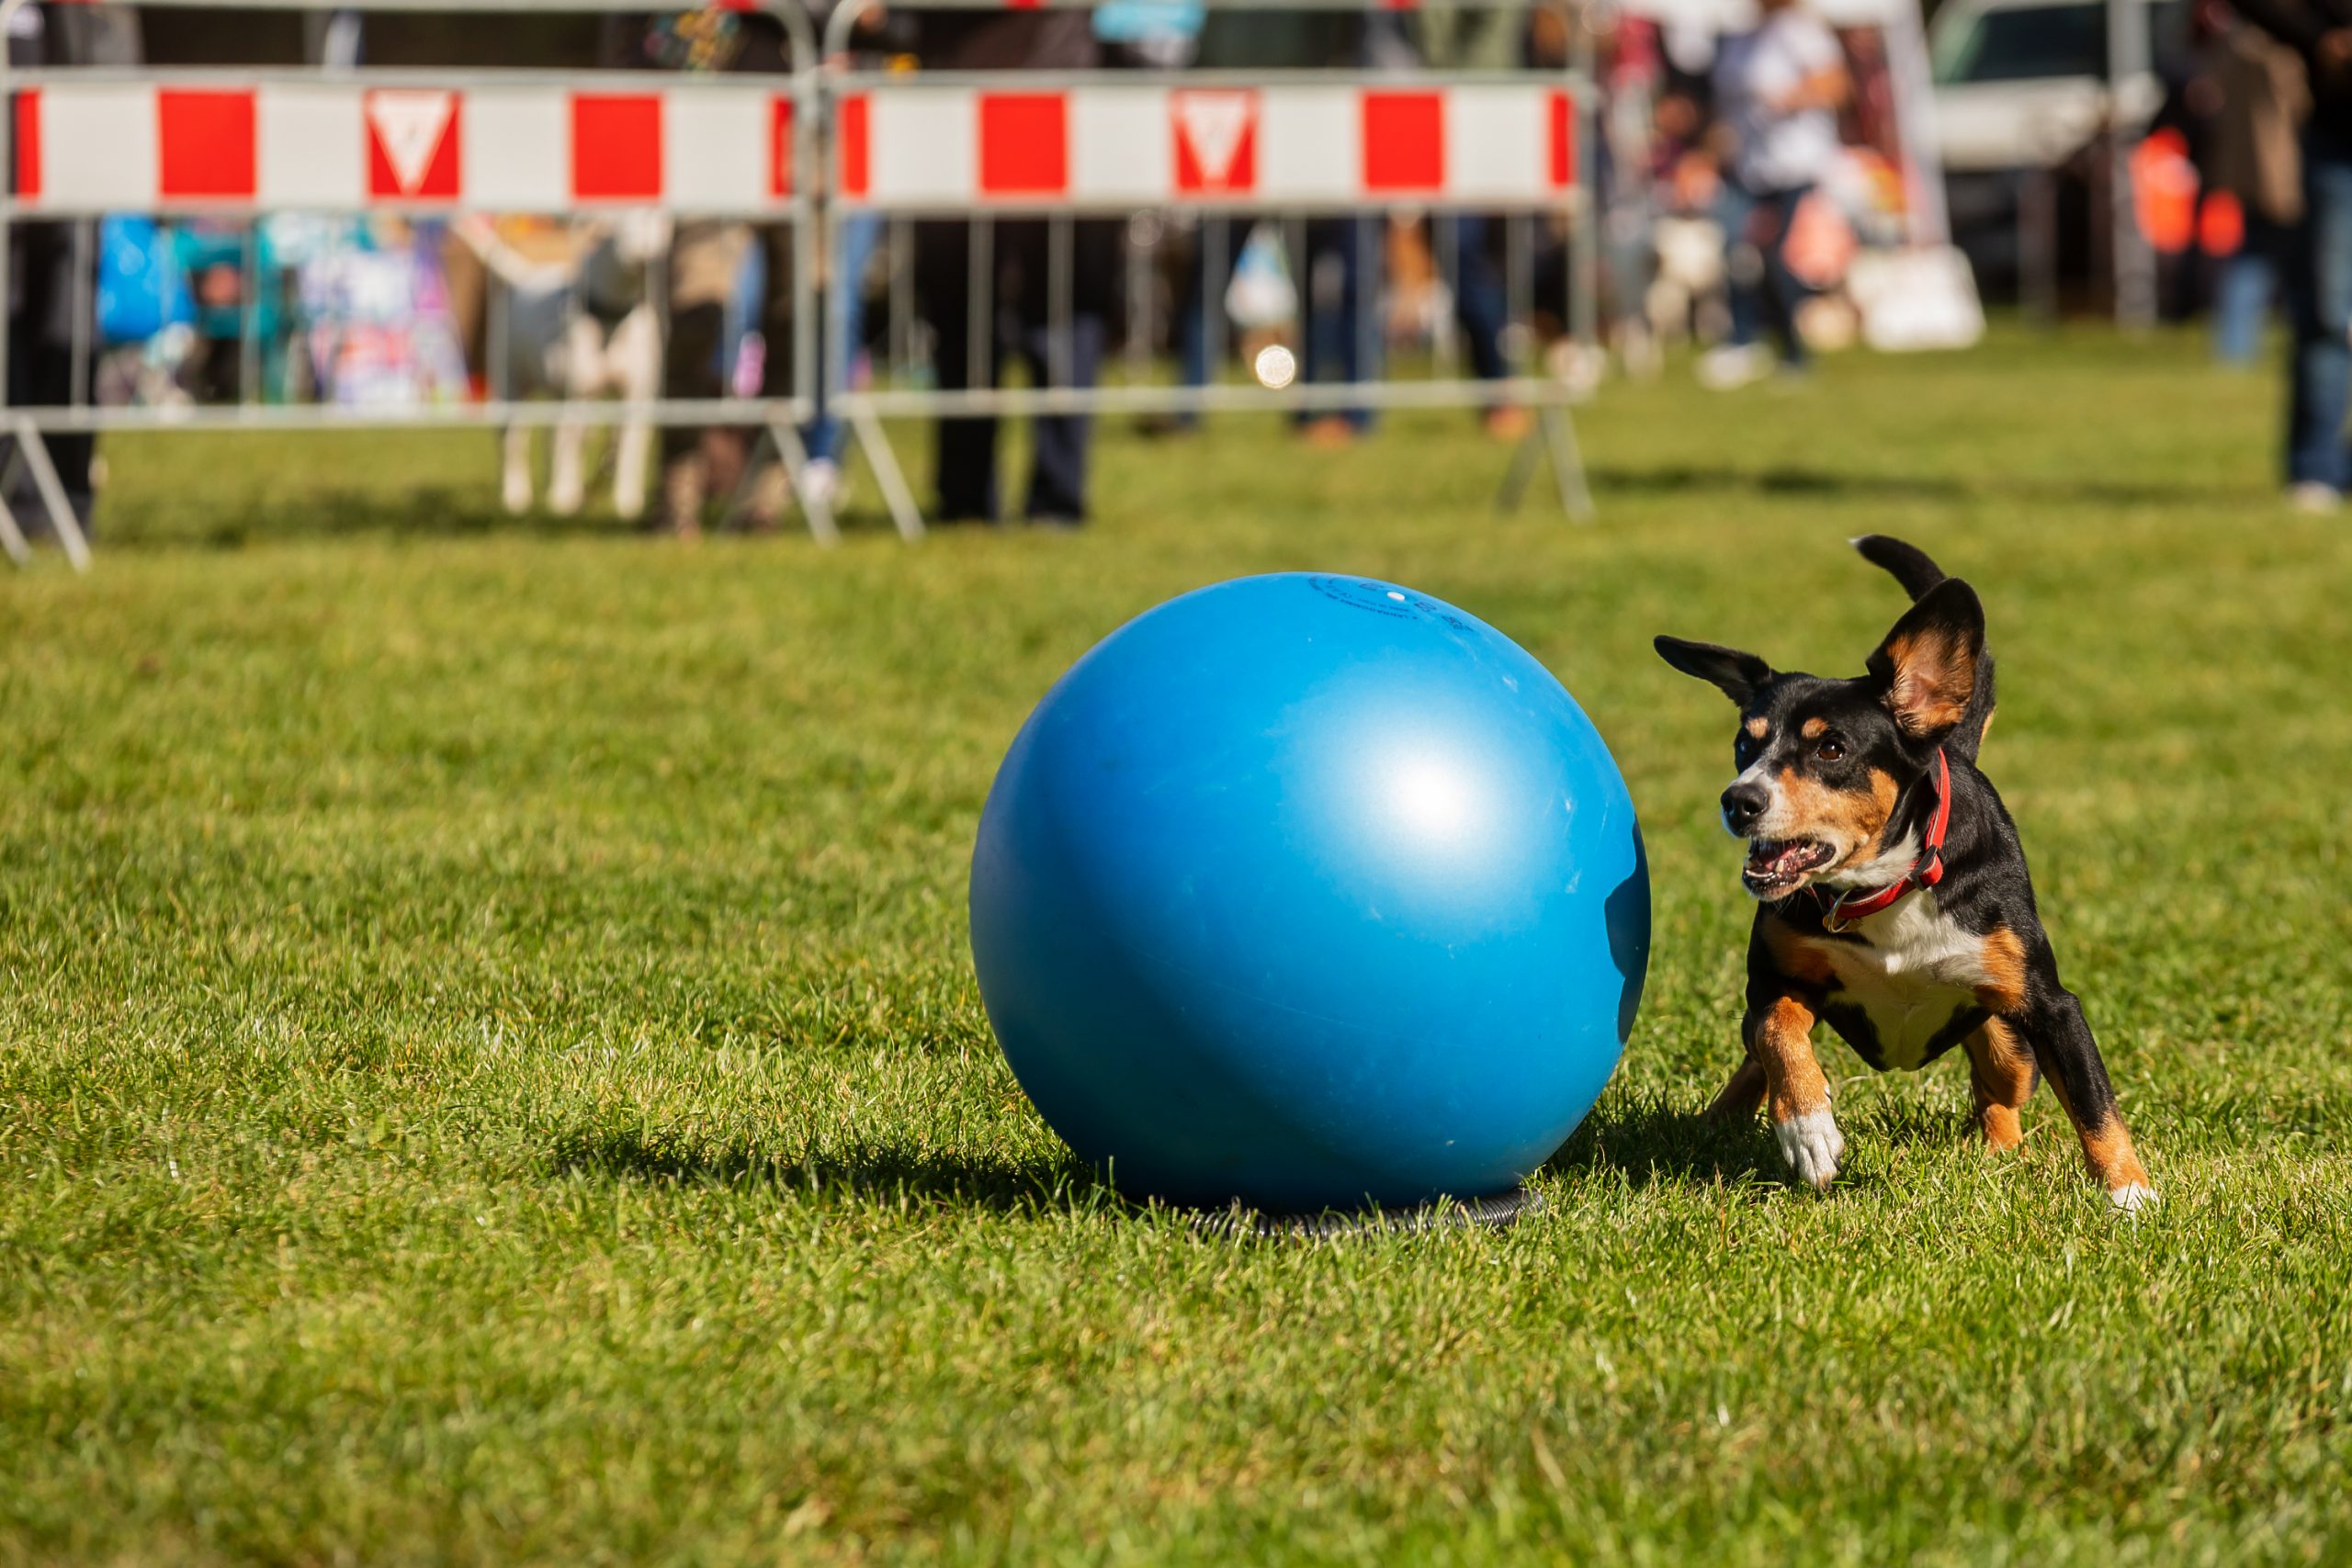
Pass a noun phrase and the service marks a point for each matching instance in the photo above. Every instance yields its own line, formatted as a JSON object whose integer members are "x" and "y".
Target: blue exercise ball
{"x": 1310, "y": 892}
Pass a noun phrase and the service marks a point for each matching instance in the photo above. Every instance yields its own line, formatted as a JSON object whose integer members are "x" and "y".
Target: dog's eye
{"x": 1831, "y": 749}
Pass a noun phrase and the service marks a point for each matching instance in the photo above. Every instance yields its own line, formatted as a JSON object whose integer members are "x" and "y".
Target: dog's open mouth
{"x": 1775, "y": 866}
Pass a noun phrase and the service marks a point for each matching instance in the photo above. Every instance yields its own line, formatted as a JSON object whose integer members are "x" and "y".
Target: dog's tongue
{"x": 1771, "y": 862}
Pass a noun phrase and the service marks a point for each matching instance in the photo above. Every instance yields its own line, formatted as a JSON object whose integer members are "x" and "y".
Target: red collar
{"x": 1926, "y": 871}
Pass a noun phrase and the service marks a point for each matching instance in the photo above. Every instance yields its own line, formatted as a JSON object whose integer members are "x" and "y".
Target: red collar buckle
{"x": 1924, "y": 872}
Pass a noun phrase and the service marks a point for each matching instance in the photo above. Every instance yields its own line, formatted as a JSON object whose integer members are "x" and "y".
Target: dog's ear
{"x": 1741, "y": 675}
{"x": 1926, "y": 669}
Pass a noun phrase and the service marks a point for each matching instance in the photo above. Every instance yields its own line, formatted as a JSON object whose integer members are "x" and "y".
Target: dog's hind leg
{"x": 1742, "y": 1096}
{"x": 633, "y": 445}
{"x": 567, "y": 470}
{"x": 2002, "y": 1075}
{"x": 2059, "y": 1036}
{"x": 635, "y": 354}
{"x": 517, "y": 483}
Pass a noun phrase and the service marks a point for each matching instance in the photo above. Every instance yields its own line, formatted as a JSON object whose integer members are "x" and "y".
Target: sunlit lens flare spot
{"x": 1431, "y": 800}
{"x": 1275, "y": 367}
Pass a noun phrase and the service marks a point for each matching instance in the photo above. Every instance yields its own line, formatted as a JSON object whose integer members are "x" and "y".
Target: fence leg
{"x": 12, "y": 538}
{"x": 35, "y": 452}
{"x": 1523, "y": 459}
{"x": 815, "y": 509}
{"x": 904, "y": 513}
{"x": 1568, "y": 462}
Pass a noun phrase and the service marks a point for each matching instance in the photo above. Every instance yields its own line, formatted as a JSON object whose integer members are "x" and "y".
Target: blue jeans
{"x": 2244, "y": 286}
{"x": 1343, "y": 341}
{"x": 1193, "y": 309}
{"x": 844, "y": 313}
{"x": 1480, "y": 304}
{"x": 2318, "y": 307}
{"x": 1756, "y": 236}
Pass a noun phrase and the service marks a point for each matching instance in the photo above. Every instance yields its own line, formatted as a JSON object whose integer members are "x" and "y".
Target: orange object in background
{"x": 1821, "y": 242}
{"x": 2163, "y": 192}
{"x": 2220, "y": 225}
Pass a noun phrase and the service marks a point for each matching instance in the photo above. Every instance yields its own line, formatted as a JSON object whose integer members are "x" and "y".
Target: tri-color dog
{"x": 1893, "y": 900}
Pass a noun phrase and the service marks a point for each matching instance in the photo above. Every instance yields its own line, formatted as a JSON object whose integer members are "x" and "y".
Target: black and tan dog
{"x": 1893, "y": 895}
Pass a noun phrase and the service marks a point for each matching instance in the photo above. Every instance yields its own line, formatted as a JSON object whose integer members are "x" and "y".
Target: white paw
{"x": 1813, "y": 1145}
{"x": 2133, "y": 1198}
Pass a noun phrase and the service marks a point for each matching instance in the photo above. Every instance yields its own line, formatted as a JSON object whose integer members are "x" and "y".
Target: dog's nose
{"x": 1743, "y": 803}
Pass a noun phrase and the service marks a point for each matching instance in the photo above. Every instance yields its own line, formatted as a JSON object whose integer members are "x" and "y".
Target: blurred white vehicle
{"x": 2022, "y": 84}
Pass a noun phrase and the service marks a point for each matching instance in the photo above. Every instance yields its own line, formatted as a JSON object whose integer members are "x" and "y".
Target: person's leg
{"x": 2320, "y": 302}
{"x": 1743, "y": 265}
{"x": 1739, "y": 360}
{"x": 689, "y": 368}
{"x": 1326, "y": 332}
{"x": 1213, "y": 243}
{"x": 966, "y": 459}
{"x": 1479, "y": 304}
{"x": 844, "y": 305}
{"x": 1783, "y": 290}
{"x": 1363, "y": 266}
{"x": 1323, "y": 336}
{"x": 2241, "y": 304}
{"x": 1482, "y": 308}
{"x": 1058, "y": 465}
{"x": 45, "y": 346}
{"x": 2246, "y": 285}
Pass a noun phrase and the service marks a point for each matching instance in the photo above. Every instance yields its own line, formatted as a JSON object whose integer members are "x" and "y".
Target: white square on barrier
{"x": 99, "y": 148}
{"x": 1310, "y": 144}
{"x": 1122, "y": 145}
{"x": 715, "y": 147}
{"x": 923, "y": 147}
{"x": 1497, "y": 144}
{"x": 310, "y": 147}
{"x": 514, "y": 149}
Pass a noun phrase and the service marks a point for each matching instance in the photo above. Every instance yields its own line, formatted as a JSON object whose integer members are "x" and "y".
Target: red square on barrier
{"x": 1563, "y": 114}
{"x": 857, "y": 168}
{"x": 29, "y": 144}
{"x": 1404, "y": 142}
{"x": 1024, "y": 145}
{"x": 616, "y": 146}
{"x": 205, "y": 143}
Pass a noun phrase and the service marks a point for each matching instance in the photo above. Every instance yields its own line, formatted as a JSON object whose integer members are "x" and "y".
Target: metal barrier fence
{"x": 947, "y": 164}
{"x": 958, "y": 166}
{"x": 84, "y": 143}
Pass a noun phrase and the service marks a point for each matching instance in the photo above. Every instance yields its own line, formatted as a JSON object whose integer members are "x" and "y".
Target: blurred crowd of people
{"x": 1735, "y": 179}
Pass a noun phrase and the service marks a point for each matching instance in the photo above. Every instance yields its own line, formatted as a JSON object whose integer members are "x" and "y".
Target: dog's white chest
{"x": 1909, "y": 983}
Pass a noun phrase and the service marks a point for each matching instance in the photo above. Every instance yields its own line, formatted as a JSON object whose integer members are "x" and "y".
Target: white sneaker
{"x": 1729, "y": 367}
{"x": 821, "y": 482}
{"x": 2313, "y": 497}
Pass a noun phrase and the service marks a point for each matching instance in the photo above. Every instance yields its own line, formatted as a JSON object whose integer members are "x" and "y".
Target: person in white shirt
{"x": 1778, "y": 90}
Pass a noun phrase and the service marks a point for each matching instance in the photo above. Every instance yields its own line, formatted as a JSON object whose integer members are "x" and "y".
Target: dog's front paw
{"x": 2133, "y": 1198}
{"x": 1813, "y": 1145}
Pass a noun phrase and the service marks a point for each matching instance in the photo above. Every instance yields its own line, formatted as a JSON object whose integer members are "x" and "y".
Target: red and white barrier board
{"x": 947, "y": 147}
{"x": 334, "y": 146}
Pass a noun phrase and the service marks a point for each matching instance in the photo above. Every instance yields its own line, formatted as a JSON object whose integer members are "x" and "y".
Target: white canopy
{"x": 1732, "y": 16}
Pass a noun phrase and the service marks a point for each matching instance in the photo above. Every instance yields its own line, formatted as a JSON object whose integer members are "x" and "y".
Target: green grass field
{"x": 490, "y": 1068}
